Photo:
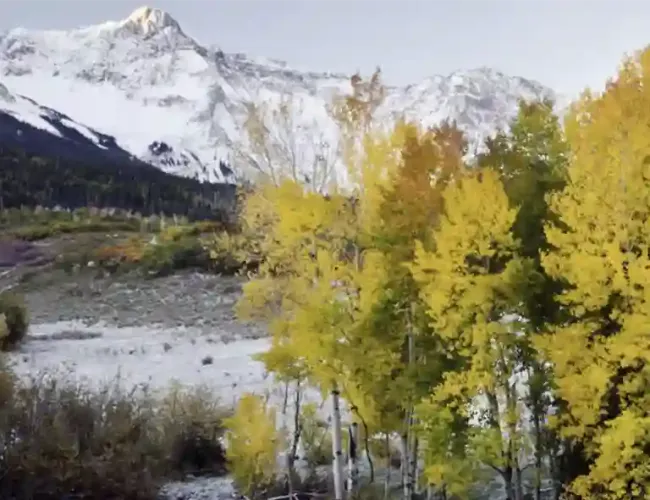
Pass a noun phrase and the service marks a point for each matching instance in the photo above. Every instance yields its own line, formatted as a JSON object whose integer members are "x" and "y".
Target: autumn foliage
{"x": 491, "y": 312}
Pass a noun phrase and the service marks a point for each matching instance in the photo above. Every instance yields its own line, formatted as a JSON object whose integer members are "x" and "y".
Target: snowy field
{"x": 139, "y": 356}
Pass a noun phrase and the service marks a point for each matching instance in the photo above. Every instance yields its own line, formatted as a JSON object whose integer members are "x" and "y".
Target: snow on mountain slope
{"x": 45, "y": 131}
{"x": 149, "y": 84}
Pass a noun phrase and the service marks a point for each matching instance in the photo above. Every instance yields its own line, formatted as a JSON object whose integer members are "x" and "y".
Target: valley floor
{"x": 146, "y": 334}
{"x": 150, "y": 334}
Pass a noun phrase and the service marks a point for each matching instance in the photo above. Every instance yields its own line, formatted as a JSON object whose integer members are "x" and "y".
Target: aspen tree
{"x": 600, "y": 250}
{"x": 469, "y": 282}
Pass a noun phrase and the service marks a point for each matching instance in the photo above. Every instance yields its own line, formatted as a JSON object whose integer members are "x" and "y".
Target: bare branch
{"x": 282, "y": 141}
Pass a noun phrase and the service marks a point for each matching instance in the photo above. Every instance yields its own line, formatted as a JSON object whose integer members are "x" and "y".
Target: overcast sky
{"x": 566, "y": 44}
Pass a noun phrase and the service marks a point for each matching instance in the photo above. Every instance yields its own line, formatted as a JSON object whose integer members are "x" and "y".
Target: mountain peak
{"x": 147, "y": 20}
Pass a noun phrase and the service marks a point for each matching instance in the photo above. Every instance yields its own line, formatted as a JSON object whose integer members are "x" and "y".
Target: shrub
{"x": 62, "y": 439}
{"x": 14, "y": 320}
{"x": 195, "y": 420}
{"x": 315, "y": 438}
{"x": 168, "y": 256}
{"x": 253, "y": 443}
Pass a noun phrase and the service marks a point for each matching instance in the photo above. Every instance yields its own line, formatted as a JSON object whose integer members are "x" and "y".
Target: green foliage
{"x": 532, "y": 160}
{"x": 14, "y": 320}
{"x": 121, "y": 241}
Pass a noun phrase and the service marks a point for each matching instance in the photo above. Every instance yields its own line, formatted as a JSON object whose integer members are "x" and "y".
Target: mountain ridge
{"x": 144, "y": 81}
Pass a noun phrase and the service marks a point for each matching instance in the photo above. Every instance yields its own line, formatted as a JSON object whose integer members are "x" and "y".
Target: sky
{"x": 564, "y": 44}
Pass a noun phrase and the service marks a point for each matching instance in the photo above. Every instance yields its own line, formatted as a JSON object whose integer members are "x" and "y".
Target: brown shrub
{"x": 61, "y": 439}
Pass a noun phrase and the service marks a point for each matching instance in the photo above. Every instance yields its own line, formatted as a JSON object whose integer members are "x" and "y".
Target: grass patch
{"x": 118, "y": 241}
{"x": 173, "y": 249}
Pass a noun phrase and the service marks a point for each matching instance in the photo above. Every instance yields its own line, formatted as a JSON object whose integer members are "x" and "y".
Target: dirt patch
{"x": 15, "y": 253}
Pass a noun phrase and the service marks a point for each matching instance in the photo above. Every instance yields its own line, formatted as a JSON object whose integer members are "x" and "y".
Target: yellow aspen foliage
{"x": 252, "y": 444}
{"x": 601, "y": 250}
{"x": 333, "y": 287}
{"x": 307, "y": 287}
{"x": 329, "y": 285}
{"x": 469, "y": 282}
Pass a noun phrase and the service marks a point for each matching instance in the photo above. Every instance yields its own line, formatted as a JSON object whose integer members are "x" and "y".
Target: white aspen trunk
{"x": 337, "y": 459}
{"x": 519, "y": 487}
{"x": 413, "y": 466}
{"x": 404, "y": 463}
{"x": 388, "y": 467}
{"x": 407, "y": 437}
{"x": 353, "y": 460}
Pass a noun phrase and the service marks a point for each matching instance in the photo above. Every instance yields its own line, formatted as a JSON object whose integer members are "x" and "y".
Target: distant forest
{"x": 30, "y": 180}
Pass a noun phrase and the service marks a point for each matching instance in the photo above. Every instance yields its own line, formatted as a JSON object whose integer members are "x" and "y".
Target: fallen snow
{"x": 150, "y": 356}
{"x": 25, "y": 111}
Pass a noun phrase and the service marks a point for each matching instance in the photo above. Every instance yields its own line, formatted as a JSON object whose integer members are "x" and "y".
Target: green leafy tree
{"x": 531, "y": 159}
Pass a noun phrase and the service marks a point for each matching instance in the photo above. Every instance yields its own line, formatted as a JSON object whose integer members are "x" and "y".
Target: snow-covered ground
{"x": 137, "y": 356}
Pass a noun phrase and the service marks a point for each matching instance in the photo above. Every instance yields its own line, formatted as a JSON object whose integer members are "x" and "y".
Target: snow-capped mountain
{"x": 181, "y": 106}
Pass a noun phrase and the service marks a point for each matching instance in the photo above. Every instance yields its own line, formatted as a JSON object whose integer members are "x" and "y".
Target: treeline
{"x": 28, "y": 180}
{"x": 493, "y": 316}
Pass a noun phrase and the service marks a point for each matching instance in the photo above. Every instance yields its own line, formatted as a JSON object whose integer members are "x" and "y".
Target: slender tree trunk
{"x": 511, "y": 416}
{"x": 297, "y": 430}
{"x": 409, "y": 441}
{"x": 366, "y": 443}
{"x": 404, "y": 463}
{"x": 495, "y": 423}
{"x": 413, "y": 466}
{"x": 337, "y": 459}
{"x": 389, "y": 464}
{"x": 353, "y": 462}
{"x": 407, "y": 457}
{"x": 539, "y": 450}
{"x": 507, "y": 479}
{"x": 519, "y": 486}
{"x": 285, "y": 407}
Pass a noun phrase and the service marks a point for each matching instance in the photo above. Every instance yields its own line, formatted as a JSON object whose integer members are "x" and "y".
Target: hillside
{"x": 27, "y": 179}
